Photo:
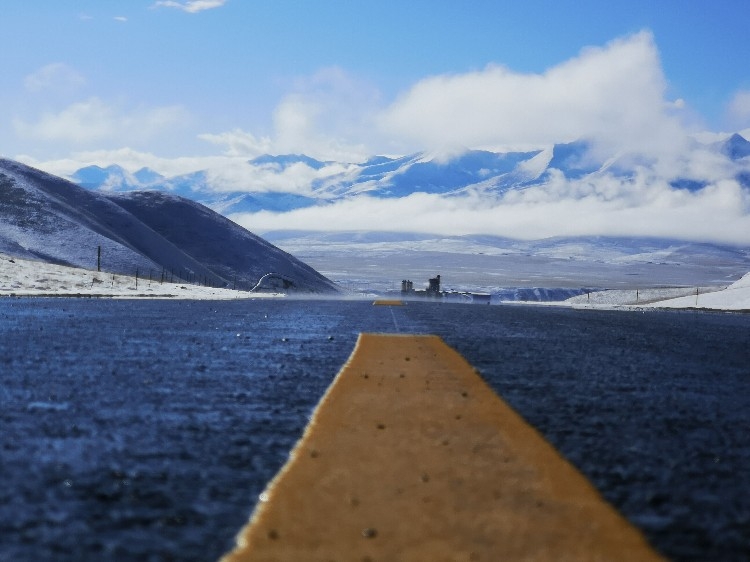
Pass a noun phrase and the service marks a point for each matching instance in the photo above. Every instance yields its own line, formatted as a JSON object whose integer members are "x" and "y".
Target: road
{"x": 145, "y": 430}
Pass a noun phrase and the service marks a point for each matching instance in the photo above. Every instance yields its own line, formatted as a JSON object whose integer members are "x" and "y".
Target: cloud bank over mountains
{"x": 637, "y": 202}
{"x": 560, "y": 191}
{"x": 720, "y": 213}
{"x": 614, "y": 97}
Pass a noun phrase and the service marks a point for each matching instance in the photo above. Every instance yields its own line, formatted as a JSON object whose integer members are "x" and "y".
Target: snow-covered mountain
{"x": 481, "y": 172}
{"x": 115, "y": 178}
{"x": 735, "y": 147}
{"x": 51, "y": 219}
{"x": 479, "y": 183}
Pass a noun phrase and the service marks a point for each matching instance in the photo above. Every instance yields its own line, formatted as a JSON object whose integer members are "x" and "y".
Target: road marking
{"x": 410, "y": 456}
{"x": 391, "y": 303}
{"x": 395, "y": 322}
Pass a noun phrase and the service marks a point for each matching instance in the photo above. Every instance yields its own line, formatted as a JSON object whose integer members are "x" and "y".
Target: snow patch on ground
{"x": 22, "y": 277}
{"x": 732, "y": 297}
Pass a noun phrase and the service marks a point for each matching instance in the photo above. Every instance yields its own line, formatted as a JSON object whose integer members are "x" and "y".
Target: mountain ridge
{"x": 481, "y": 172}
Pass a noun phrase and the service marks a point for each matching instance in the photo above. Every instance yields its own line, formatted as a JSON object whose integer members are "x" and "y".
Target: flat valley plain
{"x": 377, "y": 262}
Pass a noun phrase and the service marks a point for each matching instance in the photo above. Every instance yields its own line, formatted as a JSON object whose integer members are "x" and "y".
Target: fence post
{"x": 99, "y": 258}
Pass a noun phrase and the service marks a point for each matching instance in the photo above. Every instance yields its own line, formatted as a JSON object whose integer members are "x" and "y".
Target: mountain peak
{"x": 146, "y": 176}
{"x": 286, "y": 160}
{"x": 94, "y": 176}
{"x": 736, "y": 147}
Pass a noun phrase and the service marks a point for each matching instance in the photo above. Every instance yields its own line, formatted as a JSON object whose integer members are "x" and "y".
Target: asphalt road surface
{"x": 145, "y": 430}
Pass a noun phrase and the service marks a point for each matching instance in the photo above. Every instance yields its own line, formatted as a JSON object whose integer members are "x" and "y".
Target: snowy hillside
{"x": 735, "y": 296}
{"x": 218, "y": 244}
{"x": 49, "y": 219}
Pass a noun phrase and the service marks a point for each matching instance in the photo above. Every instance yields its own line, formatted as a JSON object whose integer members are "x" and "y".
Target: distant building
{"x": 434, "y": 287}
{"x": 432, "y": 291}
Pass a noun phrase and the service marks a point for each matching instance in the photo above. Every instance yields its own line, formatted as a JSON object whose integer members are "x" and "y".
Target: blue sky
{"x": 187, "y": 85}
{"x": 335, "y": 78}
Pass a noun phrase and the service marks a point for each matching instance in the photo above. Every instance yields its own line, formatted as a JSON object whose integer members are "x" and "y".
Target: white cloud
{"x": 300, "y": 127}
{"x": 224, "y": 173}
{"x": 191, "y": 6}
{"x": 642, "y": 205}
{"x": 720, "y": 213}
{"x": 239, "y": 175}
{"x": 239, "y": 143}
{"x": 613, "y": 94}
{"x": 122, "y": 19}
{"x": 326, "y": 116}
{"x": 130, "y": 159}
{"x": 329, "y": 116}
{"x": 739, "y": 109}
{"x": 55, "y": 77}
{"x": 94, "y": 120}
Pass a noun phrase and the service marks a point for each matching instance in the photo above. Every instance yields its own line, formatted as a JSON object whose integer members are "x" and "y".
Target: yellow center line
{"x": 410, "y": 456}
{"x": 388, "y": 302}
